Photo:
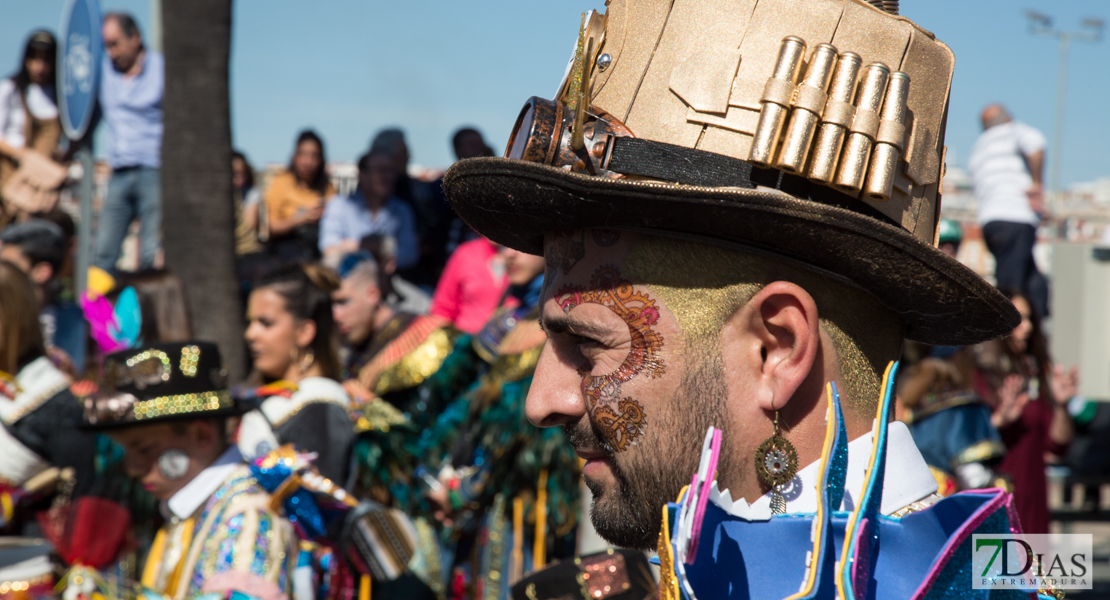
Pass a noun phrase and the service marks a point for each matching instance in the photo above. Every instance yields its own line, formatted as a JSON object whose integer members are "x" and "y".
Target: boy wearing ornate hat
{"x": 737, "y": 202}
{"x": 167, "y": 405}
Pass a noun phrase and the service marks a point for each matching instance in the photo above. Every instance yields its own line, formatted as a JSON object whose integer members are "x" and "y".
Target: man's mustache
{"x": 584, "y": 436}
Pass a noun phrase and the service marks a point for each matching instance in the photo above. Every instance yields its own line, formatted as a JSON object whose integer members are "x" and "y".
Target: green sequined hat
{"x": 162, "y": 382}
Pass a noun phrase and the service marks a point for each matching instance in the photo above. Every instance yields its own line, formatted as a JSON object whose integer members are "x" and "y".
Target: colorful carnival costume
{"x": 38, "y": 418}
{"x": 513, "y": 486}
{"x": 313, "y": 414}
{"x": 221, "y": 532}
{"x": 803, "y": 136}
{"x": 950, "y": 423}
{"x": 390, "y": 368}
{"x": 922, "y": 550}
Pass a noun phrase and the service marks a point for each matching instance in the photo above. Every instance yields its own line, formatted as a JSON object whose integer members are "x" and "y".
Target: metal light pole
{"x": 1090, "y": 31}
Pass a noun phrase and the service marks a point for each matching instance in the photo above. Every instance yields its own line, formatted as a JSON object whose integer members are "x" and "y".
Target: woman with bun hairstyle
{"x": 293, "y": 345}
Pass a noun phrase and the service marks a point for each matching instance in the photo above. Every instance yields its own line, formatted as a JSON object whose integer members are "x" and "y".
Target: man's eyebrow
{"x": 563, "y": 324}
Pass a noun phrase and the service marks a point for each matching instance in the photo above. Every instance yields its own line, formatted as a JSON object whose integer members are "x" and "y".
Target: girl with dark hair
{"x": 1029, "y": 399}
{"x": 29, "y": 107}
{"x": 38, "y": 413}
{"x": 295, "y": 200}
{"x": 293, "y": 344}
{"x": 251, "y": 258}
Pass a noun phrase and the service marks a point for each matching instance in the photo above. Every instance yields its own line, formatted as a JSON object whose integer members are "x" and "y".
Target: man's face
{"x": 353, "y": 306}
{"x": 379, "y": 177}
{"x": 615, "y": 374}
{"x": 145, "y": 444}
{"x": 123, "y": 50}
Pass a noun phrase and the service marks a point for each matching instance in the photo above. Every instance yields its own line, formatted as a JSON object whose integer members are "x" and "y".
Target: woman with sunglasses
{"x": 29, "y": 108}
{"x": 292, "y": 341}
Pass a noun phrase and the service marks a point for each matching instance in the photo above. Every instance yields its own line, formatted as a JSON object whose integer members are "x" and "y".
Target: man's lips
{"x": 595, "y": 460}
{"x": 590, "y": 454}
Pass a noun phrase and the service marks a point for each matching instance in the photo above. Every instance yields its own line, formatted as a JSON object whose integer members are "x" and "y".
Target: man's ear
{"x": 41, "y": 273}
{"x": 373, "y": 294}
{"x": 782, "y": 327}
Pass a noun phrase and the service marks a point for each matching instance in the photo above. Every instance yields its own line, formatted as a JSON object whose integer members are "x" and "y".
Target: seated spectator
{"x": 371, "y": 209}
{"x": 251, "y": 258}
{"x": 401, "y": 294}
{"x": 472, "y": 286}
{"x": 295, "y": 201}
{"x": 429, "y": 205}
{"x": 467, "y": 142}
{"x": 38, "y": 248}
{"x": 1029, "y": 397}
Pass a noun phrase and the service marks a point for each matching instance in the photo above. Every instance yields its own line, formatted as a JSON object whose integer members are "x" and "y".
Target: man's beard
{"x": 653, "y": 473}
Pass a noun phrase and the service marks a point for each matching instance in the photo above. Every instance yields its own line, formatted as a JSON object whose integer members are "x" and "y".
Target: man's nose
{"x": 555, "y": 396}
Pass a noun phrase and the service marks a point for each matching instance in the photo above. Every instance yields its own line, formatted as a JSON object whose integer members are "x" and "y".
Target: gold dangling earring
{"x": 776, "y": 462}
{"x": 306, "y": 362}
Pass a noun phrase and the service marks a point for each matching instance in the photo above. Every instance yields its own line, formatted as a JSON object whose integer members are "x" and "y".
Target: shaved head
{"x": 995, "y": 114}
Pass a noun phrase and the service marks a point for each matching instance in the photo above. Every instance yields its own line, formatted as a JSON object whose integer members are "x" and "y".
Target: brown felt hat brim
{"x": 515, "y": 203}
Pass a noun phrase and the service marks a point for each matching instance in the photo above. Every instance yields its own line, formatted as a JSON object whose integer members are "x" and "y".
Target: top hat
{"x": 162, "y": 382}
{"x": 810, "y": 130}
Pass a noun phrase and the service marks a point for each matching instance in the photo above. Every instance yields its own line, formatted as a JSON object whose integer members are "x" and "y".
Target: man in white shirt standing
{"x": 131, "y": 100}
{"x": 1007, "y": 167}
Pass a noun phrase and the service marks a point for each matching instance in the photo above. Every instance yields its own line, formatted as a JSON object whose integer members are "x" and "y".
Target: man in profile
{"x": 133, "y": 80}
{"x": 694, "y": 287}
{"x": 1007, "y": 168}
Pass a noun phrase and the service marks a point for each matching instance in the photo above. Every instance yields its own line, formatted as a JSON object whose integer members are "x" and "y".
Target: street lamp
{"x": 1090, "y": 31}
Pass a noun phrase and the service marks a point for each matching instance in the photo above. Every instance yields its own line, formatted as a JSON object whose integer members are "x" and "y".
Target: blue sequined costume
{"x": 235, "y": 533}
{"x": 925, "y": 553}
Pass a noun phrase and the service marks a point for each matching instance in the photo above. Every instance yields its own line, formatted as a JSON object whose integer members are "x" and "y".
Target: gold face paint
{"x": 703, "y": 285}
{"x": 620, "y": 419}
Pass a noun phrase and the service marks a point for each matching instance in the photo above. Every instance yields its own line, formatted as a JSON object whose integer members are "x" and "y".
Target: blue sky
{"x": 351, "y": 67}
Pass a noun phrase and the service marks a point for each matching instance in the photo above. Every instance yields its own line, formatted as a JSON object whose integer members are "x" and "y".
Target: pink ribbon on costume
{"x": 703, "y": 496}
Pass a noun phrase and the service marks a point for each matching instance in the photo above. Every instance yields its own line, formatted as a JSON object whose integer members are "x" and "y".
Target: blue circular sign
{"x": 79, "y": 65}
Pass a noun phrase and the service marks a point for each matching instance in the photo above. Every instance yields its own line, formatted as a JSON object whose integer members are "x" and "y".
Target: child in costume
{"x": 168, "y": 406}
